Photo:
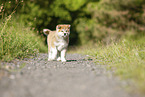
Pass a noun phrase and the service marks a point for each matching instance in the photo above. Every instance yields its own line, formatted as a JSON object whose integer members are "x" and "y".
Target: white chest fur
{"x": 61, "y": 44}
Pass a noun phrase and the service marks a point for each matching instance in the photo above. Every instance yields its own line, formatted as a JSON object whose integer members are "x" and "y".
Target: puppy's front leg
{"x": 63, "y": 54}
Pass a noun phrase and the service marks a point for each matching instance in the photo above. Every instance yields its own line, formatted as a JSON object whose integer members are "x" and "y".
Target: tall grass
{"x": 126, "y": 58}
{"x": 18, "y": 40}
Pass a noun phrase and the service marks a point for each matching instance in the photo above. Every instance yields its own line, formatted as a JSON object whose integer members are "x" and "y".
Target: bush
{"x": 95, "y": 20}
{"x": 112, "y": 19}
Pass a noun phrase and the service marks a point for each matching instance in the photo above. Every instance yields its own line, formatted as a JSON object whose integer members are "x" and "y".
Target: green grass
{"x": 126, "y": 58}
{"x": 17, "y": 40}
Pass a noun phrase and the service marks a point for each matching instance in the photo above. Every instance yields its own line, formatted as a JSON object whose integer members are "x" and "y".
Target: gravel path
{"x": 78, "y": 77}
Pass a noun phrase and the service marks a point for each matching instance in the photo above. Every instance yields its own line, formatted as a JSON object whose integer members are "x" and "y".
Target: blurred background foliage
{"x": 91, "y": 20}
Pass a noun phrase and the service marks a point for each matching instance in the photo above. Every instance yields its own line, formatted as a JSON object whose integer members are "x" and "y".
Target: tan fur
{"x": 51, "y": 39}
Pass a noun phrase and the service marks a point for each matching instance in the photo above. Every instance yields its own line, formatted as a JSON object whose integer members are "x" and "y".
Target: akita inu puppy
{"x": 57, "y": 42}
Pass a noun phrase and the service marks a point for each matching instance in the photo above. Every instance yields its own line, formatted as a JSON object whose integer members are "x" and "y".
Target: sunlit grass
{"x": 126, "y": 58}
{"x": 17, "y": 40}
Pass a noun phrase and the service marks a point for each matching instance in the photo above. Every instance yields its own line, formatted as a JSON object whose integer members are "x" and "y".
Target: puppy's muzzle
{"x": 65, "y": 34}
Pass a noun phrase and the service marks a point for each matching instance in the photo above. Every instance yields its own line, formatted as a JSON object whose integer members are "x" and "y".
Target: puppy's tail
{"x": 46, "y": 31}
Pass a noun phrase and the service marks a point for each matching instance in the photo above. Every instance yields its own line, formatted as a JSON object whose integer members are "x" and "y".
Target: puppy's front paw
{"x": 63, "y": 60}
{"x": 58, "y": 59}
{"x": 50, "y": 59}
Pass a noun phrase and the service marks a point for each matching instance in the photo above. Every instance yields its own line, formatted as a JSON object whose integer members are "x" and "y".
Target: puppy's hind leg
{"x": 49, "y": 56}
{"x": 54, "y": 53}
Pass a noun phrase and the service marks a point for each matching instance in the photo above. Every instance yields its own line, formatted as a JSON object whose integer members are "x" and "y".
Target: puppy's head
{"x": 63, "y": 30}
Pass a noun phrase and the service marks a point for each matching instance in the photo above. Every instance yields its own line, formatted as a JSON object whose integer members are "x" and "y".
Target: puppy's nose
{"x": 64, "y": 34}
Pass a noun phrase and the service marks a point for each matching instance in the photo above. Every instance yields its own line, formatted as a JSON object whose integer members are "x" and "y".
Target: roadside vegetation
{"x": 125, "y": 57}
{"x": 17, "y": 40}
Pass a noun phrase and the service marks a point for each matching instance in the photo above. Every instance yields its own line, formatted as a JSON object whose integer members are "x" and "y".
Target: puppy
{"x": 58, "y": 42}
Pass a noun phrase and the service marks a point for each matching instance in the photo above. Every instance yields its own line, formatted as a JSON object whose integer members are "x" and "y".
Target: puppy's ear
{"x": 46, "y": 31}
{"x": 58, "y": 27}
{"x": 69, "y": 26}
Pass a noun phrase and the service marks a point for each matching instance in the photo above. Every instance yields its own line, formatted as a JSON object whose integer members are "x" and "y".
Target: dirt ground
{"x": 78, "y": 77}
